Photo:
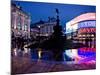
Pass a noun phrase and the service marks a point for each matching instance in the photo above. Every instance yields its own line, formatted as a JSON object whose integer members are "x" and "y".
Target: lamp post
{"x": 39, "y": 49}
{"x": 39, "y": 33}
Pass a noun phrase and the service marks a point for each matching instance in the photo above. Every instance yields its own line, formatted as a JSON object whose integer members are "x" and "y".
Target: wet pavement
{"x": 24, "y": 62}
{"x": 25, "y": 65}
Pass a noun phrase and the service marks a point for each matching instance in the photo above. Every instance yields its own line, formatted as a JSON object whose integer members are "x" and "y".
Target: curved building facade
{"x": 82, "y": 29}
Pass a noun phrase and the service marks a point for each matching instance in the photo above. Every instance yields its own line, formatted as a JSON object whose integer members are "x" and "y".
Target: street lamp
{"x": 39, "y": 30}
{"x": 39, "y": 49}
{"x": 39, "y": 34}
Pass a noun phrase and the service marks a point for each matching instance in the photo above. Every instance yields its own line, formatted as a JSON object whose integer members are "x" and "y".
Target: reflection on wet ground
{"x": 39, "y": 54}
{"x": 38, "y": 61}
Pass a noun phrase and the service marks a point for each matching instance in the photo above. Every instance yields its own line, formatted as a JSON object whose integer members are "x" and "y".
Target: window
{"x": 12, "y": 21}
{"x": 26, "y": 25}
{"x": 19, "y": 23}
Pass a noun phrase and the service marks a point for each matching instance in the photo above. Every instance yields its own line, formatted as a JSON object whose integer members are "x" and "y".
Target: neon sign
{"x": 86, "y": 24}
{"x": 87, "y": 30}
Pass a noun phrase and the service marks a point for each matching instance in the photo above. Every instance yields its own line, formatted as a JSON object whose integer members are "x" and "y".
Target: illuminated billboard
{"x": 81, "y": 21}
{"x": 87, "y": 24}
{"x": 86, "y": 30}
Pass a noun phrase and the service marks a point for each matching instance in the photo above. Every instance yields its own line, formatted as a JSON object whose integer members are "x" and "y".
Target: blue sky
{"x": 40, "y": 10}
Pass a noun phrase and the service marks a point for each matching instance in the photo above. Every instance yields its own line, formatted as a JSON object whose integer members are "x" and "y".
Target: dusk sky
{"x": 42, "y": 10}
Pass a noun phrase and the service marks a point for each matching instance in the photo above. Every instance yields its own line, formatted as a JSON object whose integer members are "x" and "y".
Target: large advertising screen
{"x": 87, "y": 24}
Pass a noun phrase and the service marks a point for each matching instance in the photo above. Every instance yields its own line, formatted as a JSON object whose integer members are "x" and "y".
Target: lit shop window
{"x": 92, "y": 35}
{"x": 79, "y": 35}
{"x": 83, "y": 35}
{"x": 88, "y": 35}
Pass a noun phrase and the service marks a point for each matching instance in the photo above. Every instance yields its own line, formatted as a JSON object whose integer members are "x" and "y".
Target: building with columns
{"x": 20, "y": 22}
